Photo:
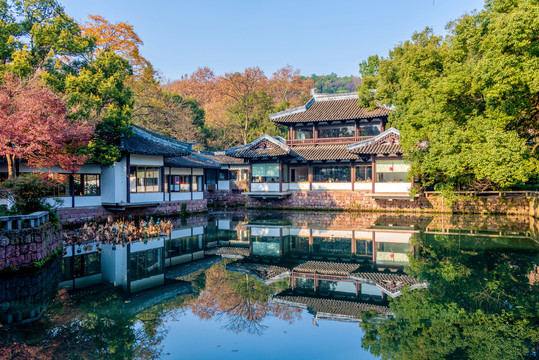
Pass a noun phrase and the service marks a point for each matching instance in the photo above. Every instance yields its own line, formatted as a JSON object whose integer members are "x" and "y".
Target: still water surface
{"x": 267, "y": 285}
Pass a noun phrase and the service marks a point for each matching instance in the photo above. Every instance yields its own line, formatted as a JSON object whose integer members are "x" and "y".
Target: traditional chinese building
{"x": 332, "y": 145}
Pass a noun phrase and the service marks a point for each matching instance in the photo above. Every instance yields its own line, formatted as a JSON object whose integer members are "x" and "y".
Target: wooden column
{"x": 280, "y": 175}
{"x": 128, "y": 179}
{"x": 293, "y": 134}
{"x": 311, "y": 242}
{"x": 310, "y": 177}
{"x": 72, "y": 189}
{"x": 382, "y": 125}
{"x": 191, "y": 182}
{"x": 169, "y": 184}
{"x": 373, "y": 175}
{"x": 250, "y": 175}
{"x": 353, "y": 174}
{"x": 354, "y": 245}
{"x": 163, "y": 182}
{"x": 356, "y": 131}
{"x": 374, "y": 248}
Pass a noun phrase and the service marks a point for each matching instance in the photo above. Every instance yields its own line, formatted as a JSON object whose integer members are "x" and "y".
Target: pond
{"x": 266, "y": 285}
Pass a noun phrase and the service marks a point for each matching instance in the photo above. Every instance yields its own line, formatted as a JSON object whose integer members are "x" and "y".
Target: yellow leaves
{"x": 120, "y": 38}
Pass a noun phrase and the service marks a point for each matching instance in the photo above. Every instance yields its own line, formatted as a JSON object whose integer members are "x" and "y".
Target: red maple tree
{"x": 34, "y": 127}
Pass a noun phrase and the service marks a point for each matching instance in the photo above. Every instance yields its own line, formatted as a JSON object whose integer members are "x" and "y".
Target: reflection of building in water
{"x": 139, "y": 265}
{"x": 334, "y": 273}
{"x": 24, "y": 297}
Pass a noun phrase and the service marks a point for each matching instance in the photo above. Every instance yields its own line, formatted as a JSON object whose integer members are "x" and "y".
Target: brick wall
{"x": 360, "y": 201}
{"x": 83, "y": 214}
{"x": 225, "y": 197}
{"x": 21, "y": 248}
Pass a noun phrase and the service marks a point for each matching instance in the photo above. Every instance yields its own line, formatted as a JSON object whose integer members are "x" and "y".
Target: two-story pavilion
{"x": 333, "y": 145}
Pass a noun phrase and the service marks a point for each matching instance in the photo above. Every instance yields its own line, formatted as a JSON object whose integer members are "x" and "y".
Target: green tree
{"x": 479, "y": 304}
{"x": 466, "y": 104}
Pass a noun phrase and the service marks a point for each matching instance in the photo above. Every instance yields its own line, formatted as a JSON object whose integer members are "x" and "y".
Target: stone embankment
{"x": 28, "y": 242}
{"x": 82, "y": 214}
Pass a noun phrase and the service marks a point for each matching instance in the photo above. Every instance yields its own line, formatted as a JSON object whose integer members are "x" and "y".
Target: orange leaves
{"x": 120, "y": 38}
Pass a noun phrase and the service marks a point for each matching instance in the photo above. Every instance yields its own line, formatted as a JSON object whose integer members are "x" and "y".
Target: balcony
{"x": 321, "y": 141}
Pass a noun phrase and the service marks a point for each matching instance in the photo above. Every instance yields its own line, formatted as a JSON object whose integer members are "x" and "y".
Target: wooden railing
{"x": 339, "y": 140}
{"x": 24, "y": 221}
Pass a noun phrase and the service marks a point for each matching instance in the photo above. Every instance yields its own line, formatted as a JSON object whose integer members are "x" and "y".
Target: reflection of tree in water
{"x": 94, "y": 326}
{"x": 480, "y": 304}
{"x": 239, "y": 299}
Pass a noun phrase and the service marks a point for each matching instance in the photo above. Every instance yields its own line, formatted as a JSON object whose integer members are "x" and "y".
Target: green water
{"x": 267, "y": 285}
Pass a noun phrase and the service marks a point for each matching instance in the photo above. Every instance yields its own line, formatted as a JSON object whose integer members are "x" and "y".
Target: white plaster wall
{"x": 265, "y": 231}
{"x": 300, "y": 232}
{"x": 179, "y": 196}
{"x": 113, "y": 182}
{"x": 146, "y": 197}
{"x": 199, "y": 230}
{"x": 332, "y": 186}
{"x": 87, "y": 201}
{"x": 180, "y": 171}
{"x": 393, "y": 237}
{"x": 114, "y": 265}
{"x": 53, "y": 201}
{"x": 363, "y": 186}
{"x": 285, "y": 186}
{"x": 369, "y": 289}
{"x": 180, "y": 233}
{"x": 298, "y": 186}
{"x": 198, "y": 171}
{"x": 264, "y": 187}
{"x": 224, "y": 185}
{"x": 363, "y": 234}
{"x": 151, "y": 244}
{"x": 392, "y": 187}
{"x": 223, "y": 224}
{"x": 199, "y": 195}
{"x": 146, "y": 160}
{"x": 333, "y": 233}
{"x": 143, "y": 284}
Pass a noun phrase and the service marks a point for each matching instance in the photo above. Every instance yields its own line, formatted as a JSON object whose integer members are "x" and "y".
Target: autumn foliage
{"x": 242, "y": 299}
{"x": 35, "y": 127}
{"x": 239, "y": 103}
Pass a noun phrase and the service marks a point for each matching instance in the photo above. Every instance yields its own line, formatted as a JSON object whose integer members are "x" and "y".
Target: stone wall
{"x": 360, "y": 201}
{"x": 225, "y": 197}
{"x": 83, "y": 214}
{"x": 23, "y": 297}
{"x": 24, "y": 247}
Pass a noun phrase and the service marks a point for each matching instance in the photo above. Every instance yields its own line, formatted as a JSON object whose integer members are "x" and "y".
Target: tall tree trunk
{"x": 11, "y": 166}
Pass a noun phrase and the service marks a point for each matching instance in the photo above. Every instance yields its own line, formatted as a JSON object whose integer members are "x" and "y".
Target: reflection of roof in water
{"x": 389, "y": 282}
{"x": 330, "y": 308}
{"x": 327, "y": 268}
{"x": 263, "y": 272}
{"x": 229, "y": 251}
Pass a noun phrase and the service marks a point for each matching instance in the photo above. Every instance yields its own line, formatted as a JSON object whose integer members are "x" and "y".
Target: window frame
{"x": 136, "y": 170}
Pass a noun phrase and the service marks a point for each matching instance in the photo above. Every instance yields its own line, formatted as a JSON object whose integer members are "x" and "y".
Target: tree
{"x": 479, "y": 304}
{"x": 35, "y": 127}
{"x": 119, "y": 38}
{"x": 237, "y": 105}
{"x": 467, "y": 105}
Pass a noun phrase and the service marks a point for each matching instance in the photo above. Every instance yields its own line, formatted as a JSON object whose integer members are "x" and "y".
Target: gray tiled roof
{"x": 329, "y": 108}
{"x": 192, "y": 161}
{"x": 223, "y": 159}
{"x": 385, "y": 143}
{"x": 323, "y": 152}
{"x": 264, "y": 146}
{"x": 320, "y": 306}
{"x": 145, "y": 142}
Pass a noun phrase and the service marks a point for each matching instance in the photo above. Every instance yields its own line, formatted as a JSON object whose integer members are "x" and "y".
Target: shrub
{"x": 28, "y": 192}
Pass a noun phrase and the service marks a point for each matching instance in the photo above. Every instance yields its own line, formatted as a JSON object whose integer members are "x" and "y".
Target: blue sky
{"x": 315, "y": 36}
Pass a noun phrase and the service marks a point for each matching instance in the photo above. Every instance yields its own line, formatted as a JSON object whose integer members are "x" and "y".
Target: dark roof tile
{"x": 329, "y": 108}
